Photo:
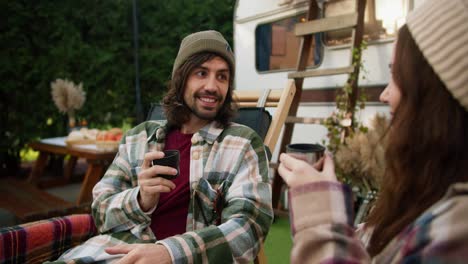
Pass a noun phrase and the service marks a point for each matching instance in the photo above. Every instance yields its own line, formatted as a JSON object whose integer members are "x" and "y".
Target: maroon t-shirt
{"x": 170, "y": 216}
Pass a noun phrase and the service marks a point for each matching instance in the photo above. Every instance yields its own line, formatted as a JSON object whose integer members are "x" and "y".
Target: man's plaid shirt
{"x": 229, "y": 161}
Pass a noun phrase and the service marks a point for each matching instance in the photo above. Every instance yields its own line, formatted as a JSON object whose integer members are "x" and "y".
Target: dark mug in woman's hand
{"x": 310, "y": 153}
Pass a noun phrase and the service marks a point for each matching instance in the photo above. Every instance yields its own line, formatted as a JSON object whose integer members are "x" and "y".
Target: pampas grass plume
{"x": 67, "y": 96}
{"x": 362, "y": 158}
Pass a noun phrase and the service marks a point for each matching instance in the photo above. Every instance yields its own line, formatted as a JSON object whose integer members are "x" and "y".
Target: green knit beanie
{"x": 211, "y": 41}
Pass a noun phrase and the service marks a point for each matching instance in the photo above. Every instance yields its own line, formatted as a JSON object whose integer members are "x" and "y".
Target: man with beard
{"x": 218, "y": 209}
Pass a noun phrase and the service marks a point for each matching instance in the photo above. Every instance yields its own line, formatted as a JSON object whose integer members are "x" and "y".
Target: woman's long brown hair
{"x": 427, "y": 148}
{"x": 175, "y": 109}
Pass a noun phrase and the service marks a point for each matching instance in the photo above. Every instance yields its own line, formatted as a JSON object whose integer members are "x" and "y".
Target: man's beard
{"x": 210, "y": 116}
{"x": 203, "y": 116}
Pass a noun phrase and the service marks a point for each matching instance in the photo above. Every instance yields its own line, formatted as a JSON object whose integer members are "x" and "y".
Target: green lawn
{"x": 279, "y": 242}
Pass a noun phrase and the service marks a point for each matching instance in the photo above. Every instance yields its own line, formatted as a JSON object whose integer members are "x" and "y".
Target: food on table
{"x": 113, "y": 134}
{"x": 106, "y": 140}
{"x": 82, "y": 134}
{"x": 109, "y": 139}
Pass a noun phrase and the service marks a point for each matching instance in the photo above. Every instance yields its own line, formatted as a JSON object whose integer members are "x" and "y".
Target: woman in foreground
{"x": 421, "y": 214}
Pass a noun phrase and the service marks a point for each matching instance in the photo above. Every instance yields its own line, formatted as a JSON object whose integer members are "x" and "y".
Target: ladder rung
{"x": 321, "y": 72}
{"x": 326, "y": 24}
{"x": 254, "y": 104}
{"x": 252, "y": 95}
{"x": 304, "y": 120}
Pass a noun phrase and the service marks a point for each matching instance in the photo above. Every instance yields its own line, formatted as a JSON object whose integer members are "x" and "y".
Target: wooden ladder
{"x": 354, "y": 21}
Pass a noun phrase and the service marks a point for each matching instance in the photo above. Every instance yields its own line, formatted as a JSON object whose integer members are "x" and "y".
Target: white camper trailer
{"x": 266, "y": 51}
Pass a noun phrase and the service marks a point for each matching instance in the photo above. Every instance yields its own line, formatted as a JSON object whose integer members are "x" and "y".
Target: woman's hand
{"x": 150, "y": 184}
{"x": 296, "y": 172}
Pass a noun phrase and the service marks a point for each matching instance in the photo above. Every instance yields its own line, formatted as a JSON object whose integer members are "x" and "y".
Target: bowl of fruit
{"x": 108, "y": 140}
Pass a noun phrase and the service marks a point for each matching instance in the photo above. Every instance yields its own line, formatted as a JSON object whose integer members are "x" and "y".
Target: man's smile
{"x": 209, "y": 101}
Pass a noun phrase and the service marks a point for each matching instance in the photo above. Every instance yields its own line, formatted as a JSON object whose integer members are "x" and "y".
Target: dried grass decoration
{"x": 68, "y": 97}
{"x": 361, "y": 160}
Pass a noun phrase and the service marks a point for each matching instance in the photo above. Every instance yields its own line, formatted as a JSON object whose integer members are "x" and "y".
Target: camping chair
{"x": 257, "y": 118}
{"x": 252, "y": 105}
{"x": 40, "y": 241}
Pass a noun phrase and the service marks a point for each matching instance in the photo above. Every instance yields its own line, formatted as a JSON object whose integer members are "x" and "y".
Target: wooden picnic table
{"x": 97, "y": 161}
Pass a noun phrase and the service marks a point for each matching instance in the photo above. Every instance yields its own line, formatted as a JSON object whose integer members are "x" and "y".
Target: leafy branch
{"x": 343, "y": 123}
{"x": 359, "y": 152}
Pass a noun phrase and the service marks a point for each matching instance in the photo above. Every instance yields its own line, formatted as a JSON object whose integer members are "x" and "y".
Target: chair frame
{"x": 281, "y": 99}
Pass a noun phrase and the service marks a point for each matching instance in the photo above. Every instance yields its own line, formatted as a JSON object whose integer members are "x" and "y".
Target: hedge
{"x": 89, "y": 42}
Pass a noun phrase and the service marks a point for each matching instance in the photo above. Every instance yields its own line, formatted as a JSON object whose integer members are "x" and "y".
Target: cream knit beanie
{"x": 209, "y": 40}
{"x": 440, "y": 29}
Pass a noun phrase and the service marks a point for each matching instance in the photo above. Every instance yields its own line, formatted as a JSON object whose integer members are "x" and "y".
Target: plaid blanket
{"x": 44, "y": 240}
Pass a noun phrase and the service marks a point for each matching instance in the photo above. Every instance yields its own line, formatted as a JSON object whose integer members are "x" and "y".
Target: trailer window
{"x": 276, "y": 46}
{"x": 381, "y": 21}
